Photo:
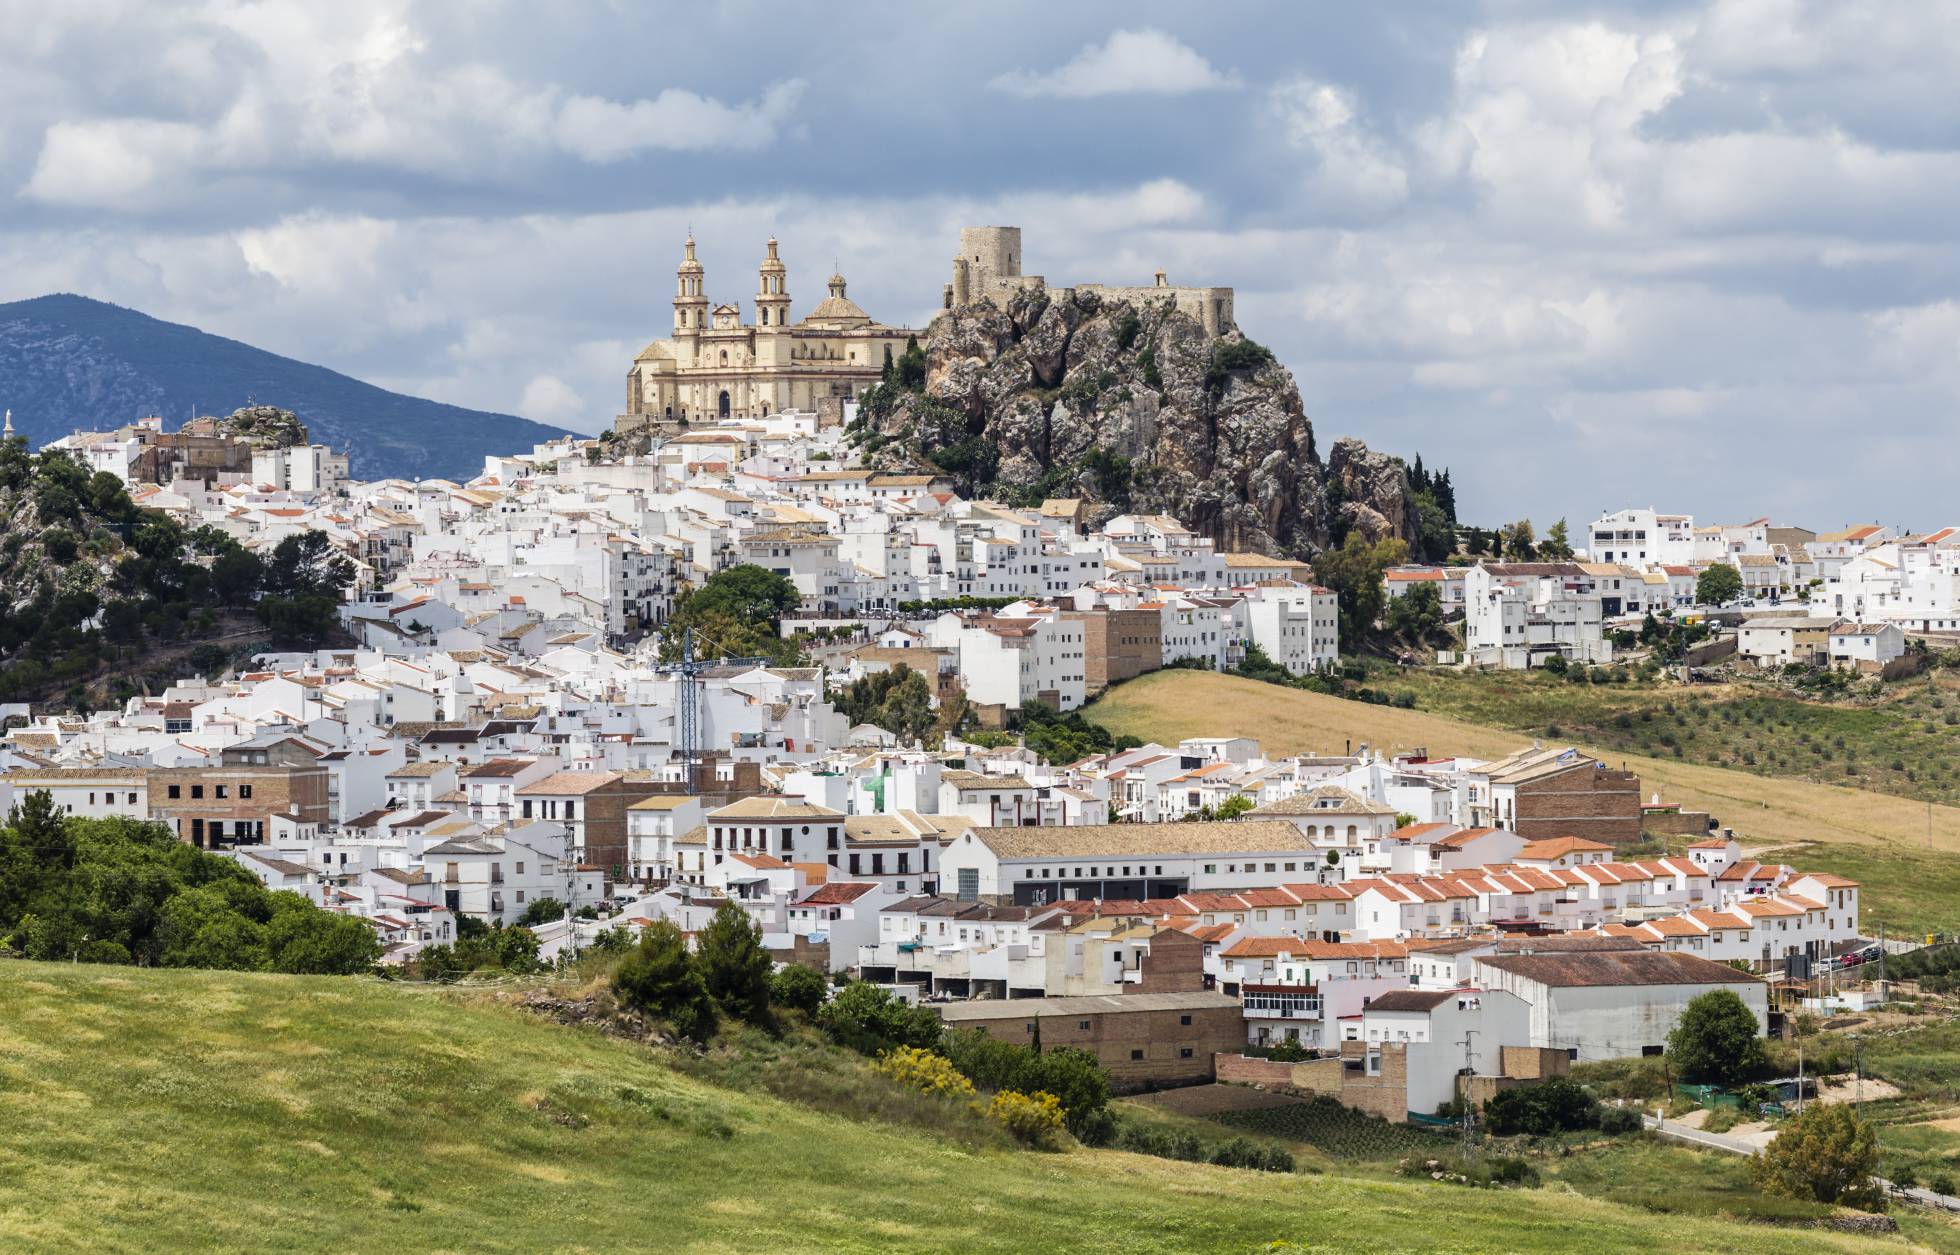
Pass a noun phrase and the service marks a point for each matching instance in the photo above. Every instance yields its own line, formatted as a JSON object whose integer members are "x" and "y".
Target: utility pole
{"x": 1463, "y": 1087}
{"x": 1858, "y": 1068}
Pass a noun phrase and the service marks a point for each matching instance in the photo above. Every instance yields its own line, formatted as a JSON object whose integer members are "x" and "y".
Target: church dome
{"x": 837, "y": 307}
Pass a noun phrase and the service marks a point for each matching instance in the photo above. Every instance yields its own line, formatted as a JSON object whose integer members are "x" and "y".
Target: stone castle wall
{"x": 988, "y": 268}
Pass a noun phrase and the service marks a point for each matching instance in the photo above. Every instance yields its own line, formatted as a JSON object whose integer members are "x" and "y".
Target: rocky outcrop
{"x": 264, "y": 427}
{"x": 1135, "y": 409}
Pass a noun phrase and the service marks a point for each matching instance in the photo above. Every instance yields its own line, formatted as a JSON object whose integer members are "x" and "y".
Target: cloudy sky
{"x": 1697, "y": 256}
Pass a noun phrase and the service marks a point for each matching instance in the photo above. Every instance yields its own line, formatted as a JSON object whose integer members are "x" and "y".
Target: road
{"x": 1736, "y": 1146}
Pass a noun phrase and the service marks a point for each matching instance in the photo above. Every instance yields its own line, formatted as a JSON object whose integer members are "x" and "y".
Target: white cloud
{"x": 549, "y": 399}
{"x": 603, "y": 130}
{"x": 1350, "y": 170}
{"x": 1129, "y": 61}
{"x": 360, "y": 87}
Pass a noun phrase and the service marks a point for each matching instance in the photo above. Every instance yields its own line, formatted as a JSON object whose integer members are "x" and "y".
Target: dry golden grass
{"x": 1168, "y": 706}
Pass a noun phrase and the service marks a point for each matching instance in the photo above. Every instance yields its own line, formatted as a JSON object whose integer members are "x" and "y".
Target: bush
{"x": 871, "y": 1021}
{"x": 1242, "y": 1152}
{"x": 1827, "y": 1154}
{"x": 926, "y": 1072}
{"x": 1034, "y": 1119}
{"x": 1074, "y": 1077}
{"x": 1716, "y": 1042}
{"x": 1098, "y": 1128}
{"x": 542, "y": 911}
{"x": 1618, "y": 1120}
{"x": 1475, "y": 1171}
{"x": 1557, "y": 1105}
{"x": 798, "y": 988}
{"x": 659, "y": 977}
{"x": 1940, "y": 1183}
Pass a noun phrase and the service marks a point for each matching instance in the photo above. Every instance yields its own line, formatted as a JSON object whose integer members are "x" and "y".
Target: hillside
{"x": 1877, "y": 838}
{"x": 68, "y": 362}
{"x": 168, "y": 1110}
{"x": 1901, "y": 738}
{"x": 1131, "y": 409}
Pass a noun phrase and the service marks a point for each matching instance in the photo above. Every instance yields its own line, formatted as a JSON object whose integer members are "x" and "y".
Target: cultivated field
{"x": 160, "y": 1111}
{"x": 1880, "y": 839}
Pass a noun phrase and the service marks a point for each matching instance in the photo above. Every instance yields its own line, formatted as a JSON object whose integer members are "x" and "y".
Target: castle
{"x": 717, "y": 366}
{"x": 988, "y": 268}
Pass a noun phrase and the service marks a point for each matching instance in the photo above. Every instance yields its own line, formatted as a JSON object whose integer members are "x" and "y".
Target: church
{"x": 717, "y": 366}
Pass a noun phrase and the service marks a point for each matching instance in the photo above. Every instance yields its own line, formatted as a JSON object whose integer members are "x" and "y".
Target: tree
{"x": 1719, "y": 585}
{"x": 1557, "y": 545}
{"x": 898, "y": 700}
{"x": 541, "y": 911}
{"x": 1234, "y": 806}
{"x": 658, "y": 976}
{"x": 1556, "y": 1105}
{"x": 1515, "y": 542}
{"x": 1416, "y": 615}
{"x": 1826, "y": 1154}
{"x": 736, "y": 612}
{"x": 799, "y": 988}
{"x": 1354, "y": 573}
{"x": 304, "y": 940}
{"x": 735, "y": 969}
{"x": 1716, "y": 1041}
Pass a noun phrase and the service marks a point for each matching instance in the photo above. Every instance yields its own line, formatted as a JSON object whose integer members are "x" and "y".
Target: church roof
{"x": 837, "y": 309}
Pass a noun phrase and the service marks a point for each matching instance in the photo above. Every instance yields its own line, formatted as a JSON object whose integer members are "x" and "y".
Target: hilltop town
{"x": 733, "y": 660}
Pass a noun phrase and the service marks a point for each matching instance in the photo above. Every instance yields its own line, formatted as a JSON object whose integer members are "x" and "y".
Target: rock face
{"x": 265, "y": 426}
{"x": 1135, "y": 409}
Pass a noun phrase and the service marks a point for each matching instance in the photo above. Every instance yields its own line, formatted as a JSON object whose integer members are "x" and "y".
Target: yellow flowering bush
{"x": 1034, "y": 1119}
{"x": 926, "y": 1072}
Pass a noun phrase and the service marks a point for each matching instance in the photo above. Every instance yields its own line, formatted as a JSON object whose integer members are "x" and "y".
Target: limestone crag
{"x": 1134, "y": 408}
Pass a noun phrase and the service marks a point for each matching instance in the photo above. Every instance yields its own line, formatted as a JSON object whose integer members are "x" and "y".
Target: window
{"x": 1649, "y": 1052}
{"x": 1184, "y": 1020}
{"x": 220, "y": 791}
{"x": 176, "y": 790}
{"x": 197, "y": 791}
{"x": 1082, "y": 1026}
{"x": 244, "y": 790}
{"x": 1136, "y": 1056}
{"x": 1184, "y": 1052}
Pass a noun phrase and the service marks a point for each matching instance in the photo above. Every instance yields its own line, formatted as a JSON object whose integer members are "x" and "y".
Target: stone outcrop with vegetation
{"x": 1135, "y": 409}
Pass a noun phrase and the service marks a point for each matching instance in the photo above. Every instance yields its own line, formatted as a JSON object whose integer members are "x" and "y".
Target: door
{"x": 724, "y": 404}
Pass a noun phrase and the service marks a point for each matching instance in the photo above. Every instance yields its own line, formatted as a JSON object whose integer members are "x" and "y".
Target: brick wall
{"x": 1172, "y": 1052}
{"x": 1385, "y": 1094}
{"x": 1675, "y": 823}
{"x": 1174, "y": 965}
{"x": 1119, "y": 645}
{"x": 1245, "y": 1070}
{"x": 1585, "y": 802}
{"x": 1534, "y": 1063}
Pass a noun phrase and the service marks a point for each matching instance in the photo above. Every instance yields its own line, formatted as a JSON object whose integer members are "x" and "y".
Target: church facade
{"x": 717, "y": 366}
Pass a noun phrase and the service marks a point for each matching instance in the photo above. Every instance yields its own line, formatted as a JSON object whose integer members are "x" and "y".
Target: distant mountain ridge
{"x": 69, "y": 362}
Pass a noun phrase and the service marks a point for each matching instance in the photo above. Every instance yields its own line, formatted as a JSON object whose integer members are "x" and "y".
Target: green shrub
{"x": 658, "y": 976}
{"x": 798, "y": 988}
{"x": 871, "y": 1021}
{"x": 1827, "y": 1155}
{"x": 1716, "y": 1041}
{"x": 1552, "y": 1106}
{"x": 1618, "y": 1120}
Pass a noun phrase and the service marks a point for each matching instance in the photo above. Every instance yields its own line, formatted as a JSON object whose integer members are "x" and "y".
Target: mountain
{"x": 1134, "y": 408}
{"x": 68, "y": 362}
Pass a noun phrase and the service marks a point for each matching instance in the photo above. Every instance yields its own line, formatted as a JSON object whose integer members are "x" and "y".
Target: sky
{"x": 1695, "y": 256}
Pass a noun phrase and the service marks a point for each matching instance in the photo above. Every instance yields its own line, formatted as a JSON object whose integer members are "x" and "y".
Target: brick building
{"x": 1542, "y": 793}
{"x": 1141, "y": 1039}
{"x": 1119, "y": 645}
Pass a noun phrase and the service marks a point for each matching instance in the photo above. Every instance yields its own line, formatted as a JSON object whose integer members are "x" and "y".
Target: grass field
{"x": 1901, "y": 849}
{"x": 162, "y": 1111}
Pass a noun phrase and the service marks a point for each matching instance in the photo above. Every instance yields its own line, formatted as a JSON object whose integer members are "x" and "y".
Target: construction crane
{"x": 689, "y": 672}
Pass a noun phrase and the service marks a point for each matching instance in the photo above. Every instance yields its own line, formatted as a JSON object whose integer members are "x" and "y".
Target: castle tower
{"x": 772, "y": 294}
{"x": 690, "y": 302}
